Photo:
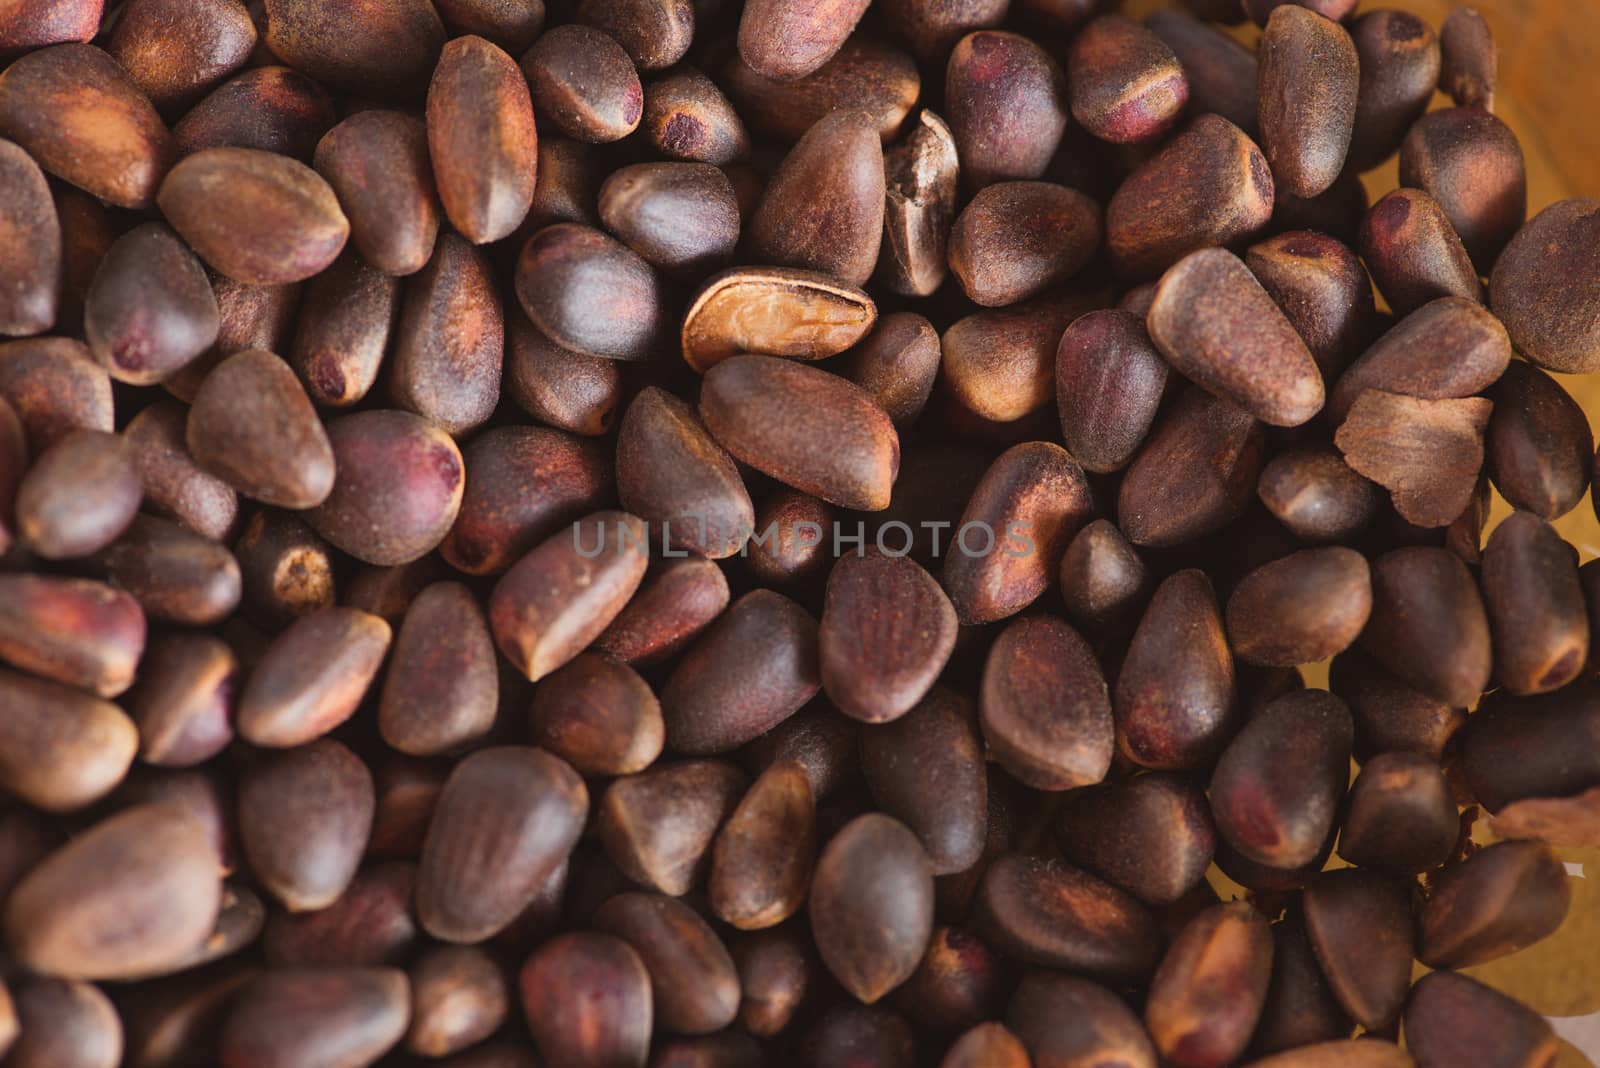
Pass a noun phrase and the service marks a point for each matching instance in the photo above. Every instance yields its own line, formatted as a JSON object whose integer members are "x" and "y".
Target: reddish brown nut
{"x": 1402, "y": 815}
{"x": 1062, "y": 1019}
{"x": 75, "y": 631}
{"x": 1046, "y": 713}
{"x": 1540, "y": 447}
{"x": 65, "y": 1024}
{"x": 676, "y": 602}
{"x": 343, "y": 331}
{"x": 174, "y": 484}
{"x": 397, "y": 489}
{"x": 253, "y": 426}
{"x": 442, "y": 688}
{"x": 1126, "y": 85}
{"x": 507, "y": 819}
{"x": 1447, "y": 349}
{"x": 377, "y": 162}
{"x": 1316, "y": 495}
{"x": 1428, "y": 624}
{"x": 572, "y": 391}
{"x": 788, "y": 39}
{"x": 255, "y": 216}
{"x": 252, "y": 317}
{"x": 1414, "y": 253}
{"x": 1015, "y": 239}
{"x": 1361, "y": 929}
{"x": 1300, "y": 609}
{"x": 60, "y": 748}
{"x": 597, "y": 714}
{"x": 686, "y": 117}
{"x": 78, "y": 496}
{"x": 511, "y": 24}
{"x": 1426, "y": 453}
{"x": 450, "y": 341}
{"x": 1399, "y": 59}
{"x": 30, "y": 246}
{"x": 1210, "y": 186}
{"x": 694, "y": 987}
{"x": 375, "y": 48}
{"x": 589, "y": 292}
{"x": 790, "y": 545}
{"x": 871, "y": 905}
{"x": 184, "y": 700}
{"x": 1307, "y": 87}
{"x": 150, "y": 309}
{"x": 559, "y": 597}
{"x": 79, "y": 115}
{"x": 482, "y": 139}
{"x": 34, "y": 26}
{"x": 1006, "y": 101}
{"x": 300, "y": 1016}
{"x": 1220, "y": 71}
{"x": 175, "y": 50}
{"x": 1472, "y": 165}
{"x": 312, "y": 677}
{"x": 1117, "y": 831}
{"x": 274, "y": 109}
{"x": 584, "y": 81}
{"x": 1323, "y": 290}
{"x": 1109, "y": 383}
{"x": 1535, "y": 606}
{"x": 866, "y": 74}
{"x": 1470, "y": 59}
{"x": 1543, "y": 288}
{"x": 681, "y": 217}
{"x": 176, "y": 575}
{"x": 1208, "y": 992}
{"x": 55, "y": 387}
{"x": 658, "y": 825}
{"x": 458, "y": 999}
{"x": 887, "y": 631}
{"x": 1451, "y": 1019}
{"x": 1102, "y": 576}
{"x": 897, "y": 363}
{"x": 674, "y": 476}
{"x": 587, "y": 1000}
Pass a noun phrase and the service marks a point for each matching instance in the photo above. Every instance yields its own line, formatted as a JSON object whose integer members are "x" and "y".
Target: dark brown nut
{"x": 877, "y": 1035}
{"x": 287, "y": 570}
{"x": 1046, "y": 713}
{"x": 1151, "y": 835}
{"x": 1470, "y": 59}
{"x": 397, "y": 488}
{"x": 774, "y": 973}
{"x": 959, "y": 984}
{"x": 86, "y": 232}
{"x": 136, "y": 893}
{"x": 343, "y": 331}
{"x": 1543, "y": 288}
{"x": 523, "y": 484}
{"x": 176, "y": 575}
{"x": 871, "y": 905}
{"x": 674, "y": 476}
{"x": 1451, "y": 1019}
{"x": 866, "y": 75}
{"x": 569, "y": 175}
{"x": 584, "y": 82}
{"x": 897, "y": 364}
{"x": 1428, "y": 624}
{"x": 1048, "y": 913}
{"x": 986, "y": 1044}
{"x": 597, "y": 714}
{"x": 1322, "y": 289}
{"x": 30, "y": 246}
{"x": 368, "y": 926}
{"x": 1414, "y": 253}
{"x": 1539, "y": 444}
{"x": 79, "y": 495}
{"x": 657, "y": 826}
{"x": 920, "y": 186}
{"x": 304, "y": 818}
{"x": 75, "y": 631}
{"x": 317, "y": 1018}
{"x": 1209, "y": 186}
{"x": 1307, "y": 89}
{"x": 373, "y": 49}
{"x": 1109, "y": 383}
{"x": 1207, "y": 995}
{"x": 82, "y": 119}
{"x": 35, "y": 26}
{"x": 1102, "y": 577}
{"x": 694, "y": 986}
{"x": 13, "y": 462}
{"x": 570, "y": 390}
{"x": 1360, "y": 927}
{"x": 253, "y": 426}
{"x": 930, "y": 29}
{"x": 887, "y": 631}
{"x": 1221, "y": 72}
{"x": 681, "y": 217}
{"x": 1401, "y": 817}
{"x": 407, "y": 790}
{"x": 1300, "y": 1010}
{"x": 387, "y": 592}
{"x": 1399, "y": 60}
{"x": 559, "y": 597}
{"x": 1449, "y": 348}
{"x": 927, "y": 770}
{"x": 1276, "y": 789}
{"x": 1390, "y": 715}
{"x": 183, "y": 702}
{"x": 1064, "y": 1020}
{"x": 312, "y": 677}
{"x": 1300, "y": 609}
{"x": 1174, "y": 700}
{"x": 655, "y": 33}
{"x": 770, "y": 413}
{"x": 63, "y": 1024}
{"x": 511, "y": 24}
{"x": 55, "y": 387}
{"x": 773, "y": 311}
{"x": 1006, "y": 101}
{"x": 508, "y": 817}
{"x": 1426, "y": 453}
{"x": 819, "y": 739}
{"x": 762, "y": 858}
{"x": 175, "y": 51}
{"x": 1216, "y": 325}
{"x": 587, "y": 1000}
{"x": 255, "y": 216}
{"x": 1008, "y": 545}
{"x": 377, "y": 163}
{"x": 788, "y": 547}
{"x": 789, "y": 39}
{"x": 752, "y": 670}
{"x": 204, "y": 798}
{"x": 458, "y": 999}
{"x": 686, "y": 117}
{"x": 1471, "y": 163}
{"x": 1316, "y": 496}
{"x": 1015, "y": 239}
{"x": 274, "y": 109}
{"x": 676, "y": 602}
{"x": 1125, "y": 84}
{"x": 252, "y": 317}
{"x": 589, "y": 292}
{"x": 61, "y": 749}
{"x": 1502, "y": 899}
{"x": 823, "y": 209}
{"x": 1164, "y": 500}
{"x": 443, "y": 687}
{"x": 450, "y": 341}
{"x": 1535, "y": 606}
{"x": 178, "y": 1020}
{"x": 174, "y": 485}
{"x": 1531, "y": 748}
{"x": 481, "y": 138}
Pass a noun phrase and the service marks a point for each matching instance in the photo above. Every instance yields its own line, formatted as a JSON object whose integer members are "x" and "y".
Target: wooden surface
{"x": 1549, "y": 93}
